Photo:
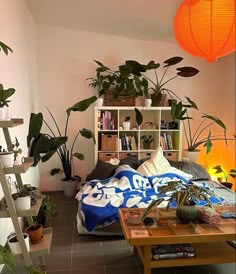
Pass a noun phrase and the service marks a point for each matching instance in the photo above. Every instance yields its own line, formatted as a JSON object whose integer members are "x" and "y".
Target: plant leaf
{"x": 82, "y": 105}
{"x": 35, "y": 125}
{"x": 187, "y": 71}
{"x": 5, "y": 48}
{"x": 86, "y": 133}
{"x": 79, "y": 156}
{"x": 139, "y": 116}
{"x": 172, "y": 61}
{"x": 55, "y": 171}
{"x": 7, "y": 259}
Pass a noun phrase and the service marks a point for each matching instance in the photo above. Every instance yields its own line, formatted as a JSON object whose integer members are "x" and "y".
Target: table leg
{"x": 147, "y": 259}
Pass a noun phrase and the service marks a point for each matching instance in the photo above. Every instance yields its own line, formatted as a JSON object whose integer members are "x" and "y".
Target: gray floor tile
{"x": 119, "y": 257}
{"x": 57, "y": 261}
{"x": 130, "y": 269}
{"x": 91, "y": 258}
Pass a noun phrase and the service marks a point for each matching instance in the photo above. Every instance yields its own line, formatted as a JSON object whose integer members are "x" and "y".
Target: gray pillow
{"x": 198, "y": 171}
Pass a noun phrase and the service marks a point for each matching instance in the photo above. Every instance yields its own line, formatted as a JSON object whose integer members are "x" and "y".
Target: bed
{"x": 134, "y": 183}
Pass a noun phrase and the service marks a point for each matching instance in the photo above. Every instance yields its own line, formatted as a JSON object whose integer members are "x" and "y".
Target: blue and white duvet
{"x": 100, "y": 200}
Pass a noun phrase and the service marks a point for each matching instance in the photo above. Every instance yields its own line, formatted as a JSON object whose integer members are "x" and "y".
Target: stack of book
{"x": 166, "y": 141}
{"x": 173, "y": 251}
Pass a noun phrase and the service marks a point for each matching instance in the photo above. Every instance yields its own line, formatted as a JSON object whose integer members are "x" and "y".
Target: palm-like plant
{"x": 43, "y": 145}
{"x": 195, "y": 138}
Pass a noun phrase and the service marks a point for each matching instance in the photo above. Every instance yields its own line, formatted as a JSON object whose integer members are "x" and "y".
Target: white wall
{"x": 66, "y": 60}
{"x": 18, "y": 70}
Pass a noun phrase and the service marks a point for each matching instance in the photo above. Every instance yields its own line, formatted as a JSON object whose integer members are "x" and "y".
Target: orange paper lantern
{"x": 206, "y": 28}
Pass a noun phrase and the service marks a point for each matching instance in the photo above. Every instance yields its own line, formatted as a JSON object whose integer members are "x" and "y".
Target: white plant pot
{"x": 147, "y": 102}
{"x": 7, "y": 113}
{"x": 15, "y": 246}
{"x": 23, "y": 203}
{"x": 99, "y": 102}
{"x": 7, "y": 159}
{"x": 2, "y": 113}
{"x": 70, "y": 188}
{"x": 126, "y": 125}
{"x": 19, "y": 159}
{"x": 191, "y": 156}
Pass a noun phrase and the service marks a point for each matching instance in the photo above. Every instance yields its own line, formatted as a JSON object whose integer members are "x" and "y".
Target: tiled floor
{"x": 72, "y": 253}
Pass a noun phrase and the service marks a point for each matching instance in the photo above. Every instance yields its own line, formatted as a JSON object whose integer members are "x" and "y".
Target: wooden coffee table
{"x": 208, "y": 239}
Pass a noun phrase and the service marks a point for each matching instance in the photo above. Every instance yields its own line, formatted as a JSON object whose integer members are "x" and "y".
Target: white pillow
{"x": 158, "y": 164}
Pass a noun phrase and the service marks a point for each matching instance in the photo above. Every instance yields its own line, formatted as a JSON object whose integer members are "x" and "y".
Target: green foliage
{"x": 49, "y": 206}
{"x": 7, "y": 259}
{"x": 219, "y": 170}
{"x": 147, "y": 138}
{"x": 16, "y": 148}
{"x": 195, "y": 138}
{"x": 43, "y": 145}
{"x": 5, "y": 48}
{"x": 4, "y": 95}
{"x": 34, "y": 270}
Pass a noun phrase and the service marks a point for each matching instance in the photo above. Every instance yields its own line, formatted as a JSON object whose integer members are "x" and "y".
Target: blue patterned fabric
{"x": 100, "y": 200}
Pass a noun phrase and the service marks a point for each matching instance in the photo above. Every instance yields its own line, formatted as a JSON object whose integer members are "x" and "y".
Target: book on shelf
{"x": 105, "y": 120}
{"x": 166, "y": 141}
{"x": 173, "y": 251}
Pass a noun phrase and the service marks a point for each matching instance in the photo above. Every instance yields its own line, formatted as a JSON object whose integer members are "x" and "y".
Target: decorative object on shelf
{"x": 173, "y": 125}
{"x": 184, "y": 195}
{"x": 43, "y": 146}
{"x": 149, "y": 125}
{"x": 14, "y": 244}
{"x": 147, "y": 140}
{"x": 208, "y": 215}
{"x": 225, "y": 176}
{"x": 18, "y": 154}
{"x": 32, "y": 190}
{"x": 164, "y": 124}
{"x": 126, "y": 123}
{"x": 133, "y": 217}
{"x": 197, "y": 24}
{"x": 7, "y": 259}
{"x": 99, "y": 102}
{"x": 147, "y": 101}
{"x": 194, "y": 139}
{"x": 157, "y": 88}
{"x": 4, "y": 102}
{"x": 35, "y": 233}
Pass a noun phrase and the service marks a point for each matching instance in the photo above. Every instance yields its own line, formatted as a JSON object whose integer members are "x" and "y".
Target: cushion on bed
{"x": 158, "y": 164}
{"x": 104, "y": 170}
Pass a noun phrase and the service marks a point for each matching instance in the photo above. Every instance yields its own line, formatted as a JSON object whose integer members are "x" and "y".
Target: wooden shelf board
{"x": 207, "y": 253}
{"x": 14, "y": 122}
{"x": 33, "y": 211}
{"x": 28, "y": 161}
{"x": 44, "y": 246}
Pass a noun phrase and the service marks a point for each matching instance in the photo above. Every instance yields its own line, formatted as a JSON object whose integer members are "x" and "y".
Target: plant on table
{"x": 195, "y": 138}
{"x": 44, "y": 145}
{"x": 183, "y": 194}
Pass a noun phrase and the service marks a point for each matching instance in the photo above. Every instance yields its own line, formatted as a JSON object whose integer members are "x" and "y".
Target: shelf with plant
{"x": 202, "y": 135}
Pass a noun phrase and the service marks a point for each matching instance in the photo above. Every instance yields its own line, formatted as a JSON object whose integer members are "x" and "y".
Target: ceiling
{"x": 141, "y": 19}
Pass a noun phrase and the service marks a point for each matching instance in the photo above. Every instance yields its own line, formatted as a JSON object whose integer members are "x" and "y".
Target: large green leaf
{"x": 187, "y": 71}
{"x": 215, "y": 119}
{"x": 87, "y": 134}
{"x": 78, "y": 155}
{"x": 172, "y": 61}
{"x": 135, "y": 67}
{"x": 138, "y": 116}
{"x": 54, "y": 171}
{"x": 152, "y": 65}
{"x": 35, "y": 125}
{"x": 82, "y": 105}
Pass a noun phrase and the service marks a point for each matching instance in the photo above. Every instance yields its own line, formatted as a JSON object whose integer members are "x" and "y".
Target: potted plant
{"x": 126, "y": 123}
{"x": 6, "y": 157}
{"x": 14, "y": 245}
{"x": 185, "y": 196}
{"x": 225, "y": 176}
{"x": 157, "y": 87}
{"x": 203, "y": 133}
{"x": 7, "y": 259}
{"x": 47, "y": 209}
{"x": 4, "y": 102}
{"x": 147, "y": 140}
{"x": 44, "y": 145}
{"x": 21, "y": 198}
{"x": 35, "y": 233}
{"x": 33, "y": 191}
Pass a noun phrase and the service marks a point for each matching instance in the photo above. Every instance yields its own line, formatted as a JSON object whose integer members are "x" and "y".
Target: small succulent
{"x": 147, "y": 138}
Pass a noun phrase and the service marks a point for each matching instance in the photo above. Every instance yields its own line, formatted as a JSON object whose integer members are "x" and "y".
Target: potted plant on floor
{"x": 44, "y": 145}
{"x": 203, "y": 133}
{"x": 225, "y": 176}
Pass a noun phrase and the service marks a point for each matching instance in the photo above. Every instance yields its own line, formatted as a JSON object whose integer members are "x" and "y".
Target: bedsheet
{"x": 100, "y": 200}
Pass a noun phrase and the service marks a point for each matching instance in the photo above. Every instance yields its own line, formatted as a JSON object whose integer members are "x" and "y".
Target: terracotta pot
{"x": 35, "y": 233}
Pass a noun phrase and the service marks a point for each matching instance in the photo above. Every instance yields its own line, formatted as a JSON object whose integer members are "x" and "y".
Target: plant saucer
{"x": 38, "y": 241}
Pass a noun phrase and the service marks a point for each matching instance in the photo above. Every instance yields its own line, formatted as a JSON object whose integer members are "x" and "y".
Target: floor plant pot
{"x": 192, "y": 156}
{"x": 70, "y": 187}
{"x": 7, "y": 158}
{"x": 187, "y": 212}
{"x": 14, "y": 244}
{"x": 35, "y": 233}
